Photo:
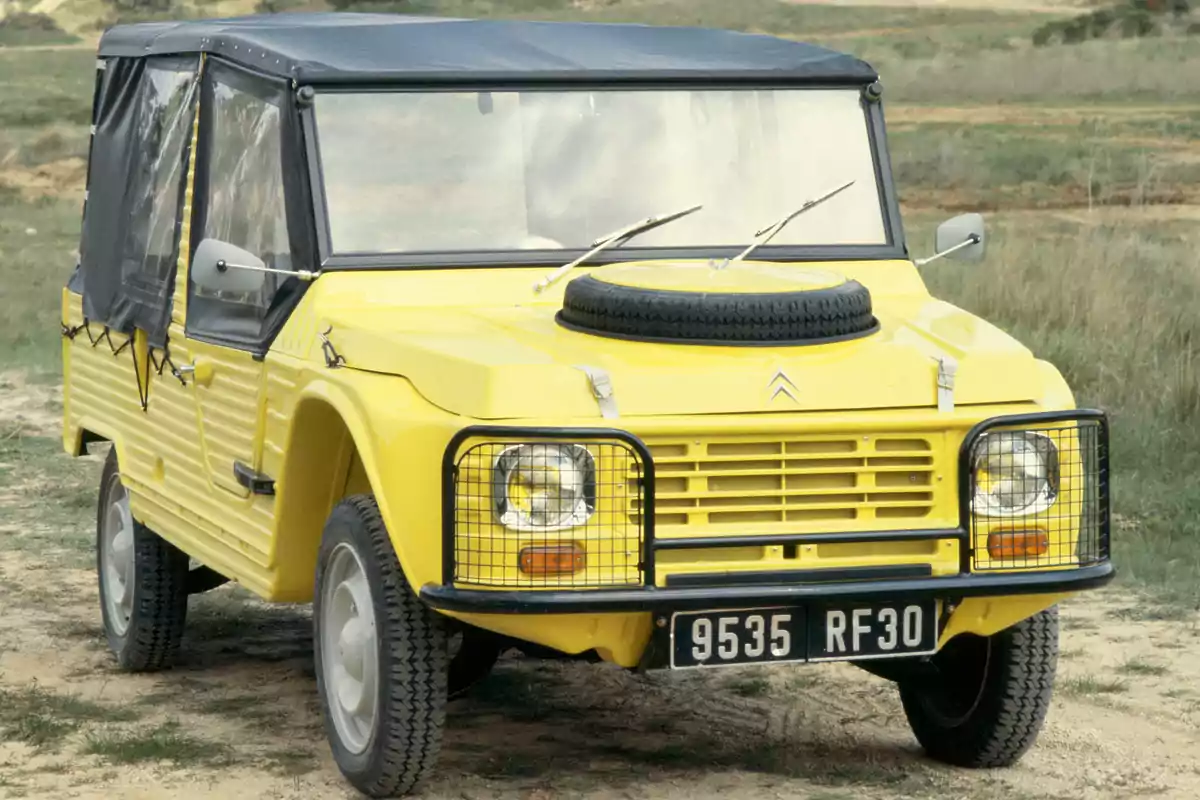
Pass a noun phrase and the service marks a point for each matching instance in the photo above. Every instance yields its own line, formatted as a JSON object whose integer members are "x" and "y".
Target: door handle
{"x": 201, "y": 372}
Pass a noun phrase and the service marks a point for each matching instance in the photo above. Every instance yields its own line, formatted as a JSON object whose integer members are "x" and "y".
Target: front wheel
{"x": 986, "y": 701}
{"x": 381, "y": 657}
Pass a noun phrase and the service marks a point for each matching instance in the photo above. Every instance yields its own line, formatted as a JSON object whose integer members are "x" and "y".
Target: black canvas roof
{"x": 355, "y": 48}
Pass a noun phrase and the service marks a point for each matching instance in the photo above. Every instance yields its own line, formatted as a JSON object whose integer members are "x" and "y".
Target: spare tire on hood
{"x": 748, "y": 303}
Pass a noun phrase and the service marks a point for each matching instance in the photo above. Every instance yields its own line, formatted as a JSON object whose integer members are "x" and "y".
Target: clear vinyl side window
{"x": 245, "y": 201}
{"x": 242, "y": 201}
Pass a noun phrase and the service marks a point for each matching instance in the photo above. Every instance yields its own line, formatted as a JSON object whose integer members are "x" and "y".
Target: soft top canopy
{"x": 358, "y": 48}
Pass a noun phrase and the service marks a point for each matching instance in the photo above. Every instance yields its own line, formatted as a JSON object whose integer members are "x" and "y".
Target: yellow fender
{"x": 984, "y": 616}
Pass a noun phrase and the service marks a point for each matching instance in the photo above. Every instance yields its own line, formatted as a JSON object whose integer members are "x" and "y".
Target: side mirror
{"x": 222, "y": 267}
{"x": 963, "y": 238}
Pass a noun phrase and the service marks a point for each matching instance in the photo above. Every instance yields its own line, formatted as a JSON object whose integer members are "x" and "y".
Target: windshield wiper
{"x": 622, "y": 235}
{"x": 768, "y": 233}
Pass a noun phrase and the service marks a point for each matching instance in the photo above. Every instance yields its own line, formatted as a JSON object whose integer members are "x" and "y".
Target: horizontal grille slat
{"x": 725, "y": 483}
{"x": 765, "y": 468}
{"x": 791, "y": 496}
{"x": 830, "y": 457}
{"x": 815, "y": 506}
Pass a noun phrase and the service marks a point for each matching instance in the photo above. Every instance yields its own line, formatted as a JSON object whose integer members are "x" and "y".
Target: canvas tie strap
{"x": 946, "y": 372}
{"x": 602, "y": 390}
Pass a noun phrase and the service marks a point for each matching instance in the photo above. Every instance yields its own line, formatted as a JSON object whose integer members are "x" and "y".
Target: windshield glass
{"x": 445, "y": 171}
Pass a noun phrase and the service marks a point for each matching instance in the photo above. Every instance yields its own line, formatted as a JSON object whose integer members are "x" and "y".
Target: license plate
{"x": 799, "y": 633}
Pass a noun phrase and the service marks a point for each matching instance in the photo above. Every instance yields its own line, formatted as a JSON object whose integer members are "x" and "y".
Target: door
{"x": 227, "y": 389}
{"x": 240, "y": 202}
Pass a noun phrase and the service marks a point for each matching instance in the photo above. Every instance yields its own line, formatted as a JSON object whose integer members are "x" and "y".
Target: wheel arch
{"x": 343, "y": 439}
{"x": 319, "y": 469}
{"x": 77, "y": 439}
{"x": 87, "y": 431}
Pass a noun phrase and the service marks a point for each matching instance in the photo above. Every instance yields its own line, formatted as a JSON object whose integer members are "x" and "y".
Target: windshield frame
{"x": 895, "y": 247}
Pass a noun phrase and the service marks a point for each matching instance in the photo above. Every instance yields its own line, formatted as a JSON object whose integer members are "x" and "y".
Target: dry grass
{"x": 1159, "y": 70}
{"x": 1114, "y": 308}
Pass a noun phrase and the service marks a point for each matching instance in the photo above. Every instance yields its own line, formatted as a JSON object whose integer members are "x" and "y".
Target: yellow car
{"x": 586, "y": 340}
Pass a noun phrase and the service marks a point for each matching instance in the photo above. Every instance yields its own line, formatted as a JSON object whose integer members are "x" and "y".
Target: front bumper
{"x": 950, "y": 588}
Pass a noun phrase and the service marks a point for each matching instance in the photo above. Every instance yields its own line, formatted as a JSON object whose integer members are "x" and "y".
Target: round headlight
{"x": 544, "y": 486}
{"x": 1016, "y": 474}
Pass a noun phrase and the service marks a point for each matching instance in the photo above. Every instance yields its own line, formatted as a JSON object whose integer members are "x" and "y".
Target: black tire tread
{"x": 412, "y": 713}
{"x": 155, "y": 631}
{"x": 594, "y": 305}
{"x": 1013, "y": 709}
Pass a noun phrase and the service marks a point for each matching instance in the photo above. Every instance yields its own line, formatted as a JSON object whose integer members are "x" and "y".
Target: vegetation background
{"x": 1075, "y": 125}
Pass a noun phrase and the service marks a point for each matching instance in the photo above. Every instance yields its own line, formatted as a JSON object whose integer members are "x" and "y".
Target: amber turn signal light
{"x": 1017, "y": 544}
{"x": 561, "y": 559}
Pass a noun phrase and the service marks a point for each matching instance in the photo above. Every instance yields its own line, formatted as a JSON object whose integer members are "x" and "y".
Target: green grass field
{"x": 1085, "y": 154}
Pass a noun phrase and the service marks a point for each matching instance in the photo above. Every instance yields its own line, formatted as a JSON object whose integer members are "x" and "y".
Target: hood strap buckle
{"x": 946, "y": 372}
{"x": 602, "y": 390}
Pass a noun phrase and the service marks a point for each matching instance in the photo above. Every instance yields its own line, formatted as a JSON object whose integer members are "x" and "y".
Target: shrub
{"x": 29, "y": 21}
{"x": 1130, "y": 19}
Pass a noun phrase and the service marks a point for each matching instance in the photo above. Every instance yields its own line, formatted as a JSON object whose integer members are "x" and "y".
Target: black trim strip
{"x": 608, "y": 601}
{"x": 888, "y": 196}
{"x": 849, "y": 537}
{"x": 577, "y": 80}
{"x": 789, "y": 577}
{"x": 317, "y": 210}
{"x": 508, "y": 259}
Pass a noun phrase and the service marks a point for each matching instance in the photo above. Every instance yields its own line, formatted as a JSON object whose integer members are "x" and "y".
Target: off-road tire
{"x": 815, "y": 316}
{"x": 1011, "y": 694}
{"x": 160, "y": 596}
{"x": 412, "y": 668}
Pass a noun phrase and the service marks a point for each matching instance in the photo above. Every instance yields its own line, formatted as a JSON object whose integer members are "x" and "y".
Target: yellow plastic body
{"x": 430, "y": 352}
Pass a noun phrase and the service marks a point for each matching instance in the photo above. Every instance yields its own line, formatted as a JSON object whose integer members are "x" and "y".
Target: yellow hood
{"x": 480, "y": 343}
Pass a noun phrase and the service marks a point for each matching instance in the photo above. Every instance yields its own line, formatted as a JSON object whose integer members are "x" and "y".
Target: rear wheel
{"x": 143, "y": 581}
{"x": 381, "y": 657}
{"x": 986, "y": 701}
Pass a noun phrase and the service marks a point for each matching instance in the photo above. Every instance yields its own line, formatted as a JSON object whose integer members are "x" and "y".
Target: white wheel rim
{"x": 116, "y": 559}
{"x": 349, "y": 649}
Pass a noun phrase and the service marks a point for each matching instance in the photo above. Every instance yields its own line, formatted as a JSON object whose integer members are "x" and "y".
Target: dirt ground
{"x": 1124, "y": 723}
{"x": 239, "y": 716}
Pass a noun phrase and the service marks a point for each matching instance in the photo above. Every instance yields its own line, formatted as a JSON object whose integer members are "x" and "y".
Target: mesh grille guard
{"x": 1077, "y": 555}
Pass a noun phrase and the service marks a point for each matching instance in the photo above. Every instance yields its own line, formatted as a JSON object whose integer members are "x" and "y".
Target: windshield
{"x": 480, "y": 171}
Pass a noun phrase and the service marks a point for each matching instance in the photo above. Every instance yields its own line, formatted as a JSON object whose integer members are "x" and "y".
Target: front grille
{"x": 816, "y": 482}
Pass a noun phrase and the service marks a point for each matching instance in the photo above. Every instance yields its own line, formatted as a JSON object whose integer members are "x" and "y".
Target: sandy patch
{"x": 29, "y": 409}
{"x": 63, "y": 178}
